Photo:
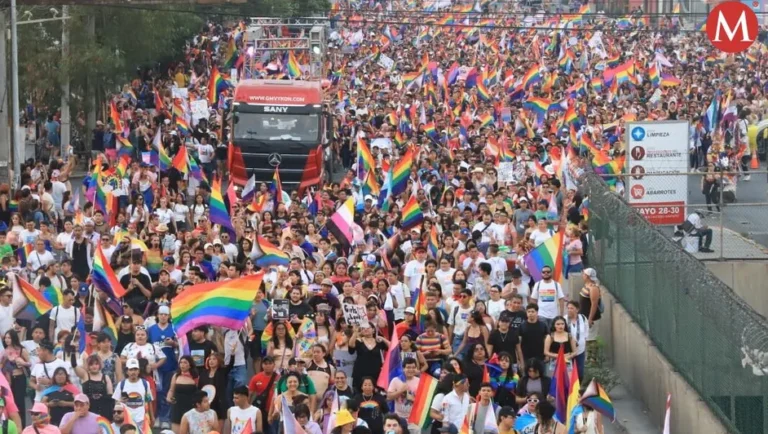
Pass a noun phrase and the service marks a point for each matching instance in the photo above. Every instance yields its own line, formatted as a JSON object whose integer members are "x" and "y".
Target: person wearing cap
{"x": 415, "y": 272}
{"x": 506, "y": 420}
{"x": 162, "y": 335}
{"x": 454, "y": 405}
{"x": 325, "y": 299}
{"x": 81, "y": 420}
{"x": 591, "y": 305}
{"x": 41, "y": 421}
{"x": 135, "y": 392}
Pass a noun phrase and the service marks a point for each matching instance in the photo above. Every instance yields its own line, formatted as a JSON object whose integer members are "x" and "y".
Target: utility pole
{"x": 18, "y": 146}
{"x": 66, "y": 121}
{"x": 5, "y": 133}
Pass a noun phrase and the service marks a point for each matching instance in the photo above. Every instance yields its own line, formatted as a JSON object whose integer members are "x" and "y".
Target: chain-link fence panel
{"x": 709, "y": 334}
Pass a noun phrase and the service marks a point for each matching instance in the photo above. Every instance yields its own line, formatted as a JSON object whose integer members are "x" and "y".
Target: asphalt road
{"x": 741, "y": 217}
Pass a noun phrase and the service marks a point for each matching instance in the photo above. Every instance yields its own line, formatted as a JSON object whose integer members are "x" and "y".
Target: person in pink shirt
{"x": 11, "y": 410}
{"x": 40, "y": 421}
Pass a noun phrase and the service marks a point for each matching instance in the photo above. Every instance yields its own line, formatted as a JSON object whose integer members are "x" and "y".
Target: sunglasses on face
{"x": 533, "y": 400}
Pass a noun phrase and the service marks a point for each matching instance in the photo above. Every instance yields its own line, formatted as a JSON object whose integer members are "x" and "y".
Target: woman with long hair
{"x": 559, "y": 338}
{"x": 15, "y": 362}
{"x": 474, "y": 367}
{"x": 217, "y": 375}
{"x": 368, "y": 347}
{"x": 342, "y": 357}
{"x": 325, "y": 330}
{"x": 280, "y": 347}
{"x": 59, "y": 396}
{"x": 292, "y": 395}
{"x": 589, "y": 421}
{"x": 546, "y": 421}
{"x": 504, "y": 381}
{"x": 476, "y": 333}
{"x": 184, "y": 385}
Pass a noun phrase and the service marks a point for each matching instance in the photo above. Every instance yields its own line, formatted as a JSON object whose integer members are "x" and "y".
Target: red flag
{"x": 236, "y": 165}
{"x": 312, "y": 170}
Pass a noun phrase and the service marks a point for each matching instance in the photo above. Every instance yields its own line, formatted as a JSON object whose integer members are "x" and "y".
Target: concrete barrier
{"x": 649, "y": 377}
{"x": 747, "y": 279}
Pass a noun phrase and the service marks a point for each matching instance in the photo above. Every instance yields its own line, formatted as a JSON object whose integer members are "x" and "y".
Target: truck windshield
{"x": 277, "y": 127}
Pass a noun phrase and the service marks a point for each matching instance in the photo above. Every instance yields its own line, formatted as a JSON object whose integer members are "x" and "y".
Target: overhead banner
{"x": 657, "y": 162}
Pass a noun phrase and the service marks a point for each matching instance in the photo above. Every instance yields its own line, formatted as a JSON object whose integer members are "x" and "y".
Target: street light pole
{"x": 66, "y": 118}
{"x": 17, "y": 145}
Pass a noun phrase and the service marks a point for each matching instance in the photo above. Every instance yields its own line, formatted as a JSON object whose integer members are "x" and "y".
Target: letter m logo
{"x": 730, "y": 33}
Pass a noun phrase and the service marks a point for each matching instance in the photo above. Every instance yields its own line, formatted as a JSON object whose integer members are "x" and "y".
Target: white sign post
{"x": 655, "y": 149}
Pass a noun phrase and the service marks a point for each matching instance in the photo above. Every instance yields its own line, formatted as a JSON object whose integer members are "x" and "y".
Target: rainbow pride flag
{"x": 218, "y": 211}
{"x": 180, "y": 160}
{"x": 28, "y": 302}
{"x": 105, "y": 425}
{"x": 154, "y": 261}
{"x": 183, "y": 126}
{"x": 293, "y": 67}
{"x": 222, "y": 304}
{"x": 531, "y": 77}
{"x": 268, "y": 255}
{"x": 596, "y": 397}
{"x": 53, "y": 295}
{"x": 423, "y": 398}
{"x": 23, "y": 253}
{"x": 549, "y": 253}
{"x": 164, "y": 159}
{"x": 365, "y": 161}
{"x": 433, "y": 242}
{"x": 216, "y": 84}
{"x": 104, "y": 278}
{"x": 401, "y": 172}
{"x": 412, "y": 215}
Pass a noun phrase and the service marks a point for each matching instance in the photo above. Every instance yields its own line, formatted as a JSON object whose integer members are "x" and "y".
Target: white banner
{"x": 658, "y": 148}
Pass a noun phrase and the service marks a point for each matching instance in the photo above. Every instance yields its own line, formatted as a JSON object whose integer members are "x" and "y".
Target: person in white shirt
{"x": 548, "y": 294}
{"x": 229, "y": 248}
{"x": 64, "y": 316}
{"x": 415, "y": 270}
{"x": 41, "y": 376}
{"x": 471, "y": 262}
{"x": 703, "y": 232}
{"x": 33, "y": 345}
{"x": 58, "y": 189}
{"x": 63, "y": 238}
{"x": 39, "y": 257}
{"x": 454, "y": 406}
{"x": 485, "y": 227}
{"x": 242, "y": 413}
{"x": 578, "y": 326}
{"x": 541, "y": 234}
{"x": 6, "y": 310}
{"x": 458, "y": 317}
{"x": 134, "y": 392}
{"x": 399, "y": 293}
{"x": 498, "y": 265}
{"x": 29, "y": 234}
{"x": 444, "y": 276}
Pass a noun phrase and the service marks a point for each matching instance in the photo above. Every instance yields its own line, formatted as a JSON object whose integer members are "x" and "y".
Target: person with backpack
{"x": 135, "y": 393}
{"x": 578, "y": 325}
{"x": 548, "y": 295}
{"x": 591, "y": 302}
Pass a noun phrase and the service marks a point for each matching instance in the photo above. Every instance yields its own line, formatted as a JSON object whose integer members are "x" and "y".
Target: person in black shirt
{"x": 297, "y": 309}
{"x": 138, "y": 287}
{"x": 125, "y": 334}
{"x": 514, "y": 312}
{"x": 532, "y": 334}
{"x": 200, "y": 347}
{"x": 504, "y": 339}
{"x": 324, "y": 297}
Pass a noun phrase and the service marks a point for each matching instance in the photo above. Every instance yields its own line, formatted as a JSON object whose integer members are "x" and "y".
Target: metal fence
{"x": 735, "y": 209}
{"x": 711, "y": 337}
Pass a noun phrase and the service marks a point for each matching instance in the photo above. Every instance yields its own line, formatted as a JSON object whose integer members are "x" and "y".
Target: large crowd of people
{"x": 499, "y": 109}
